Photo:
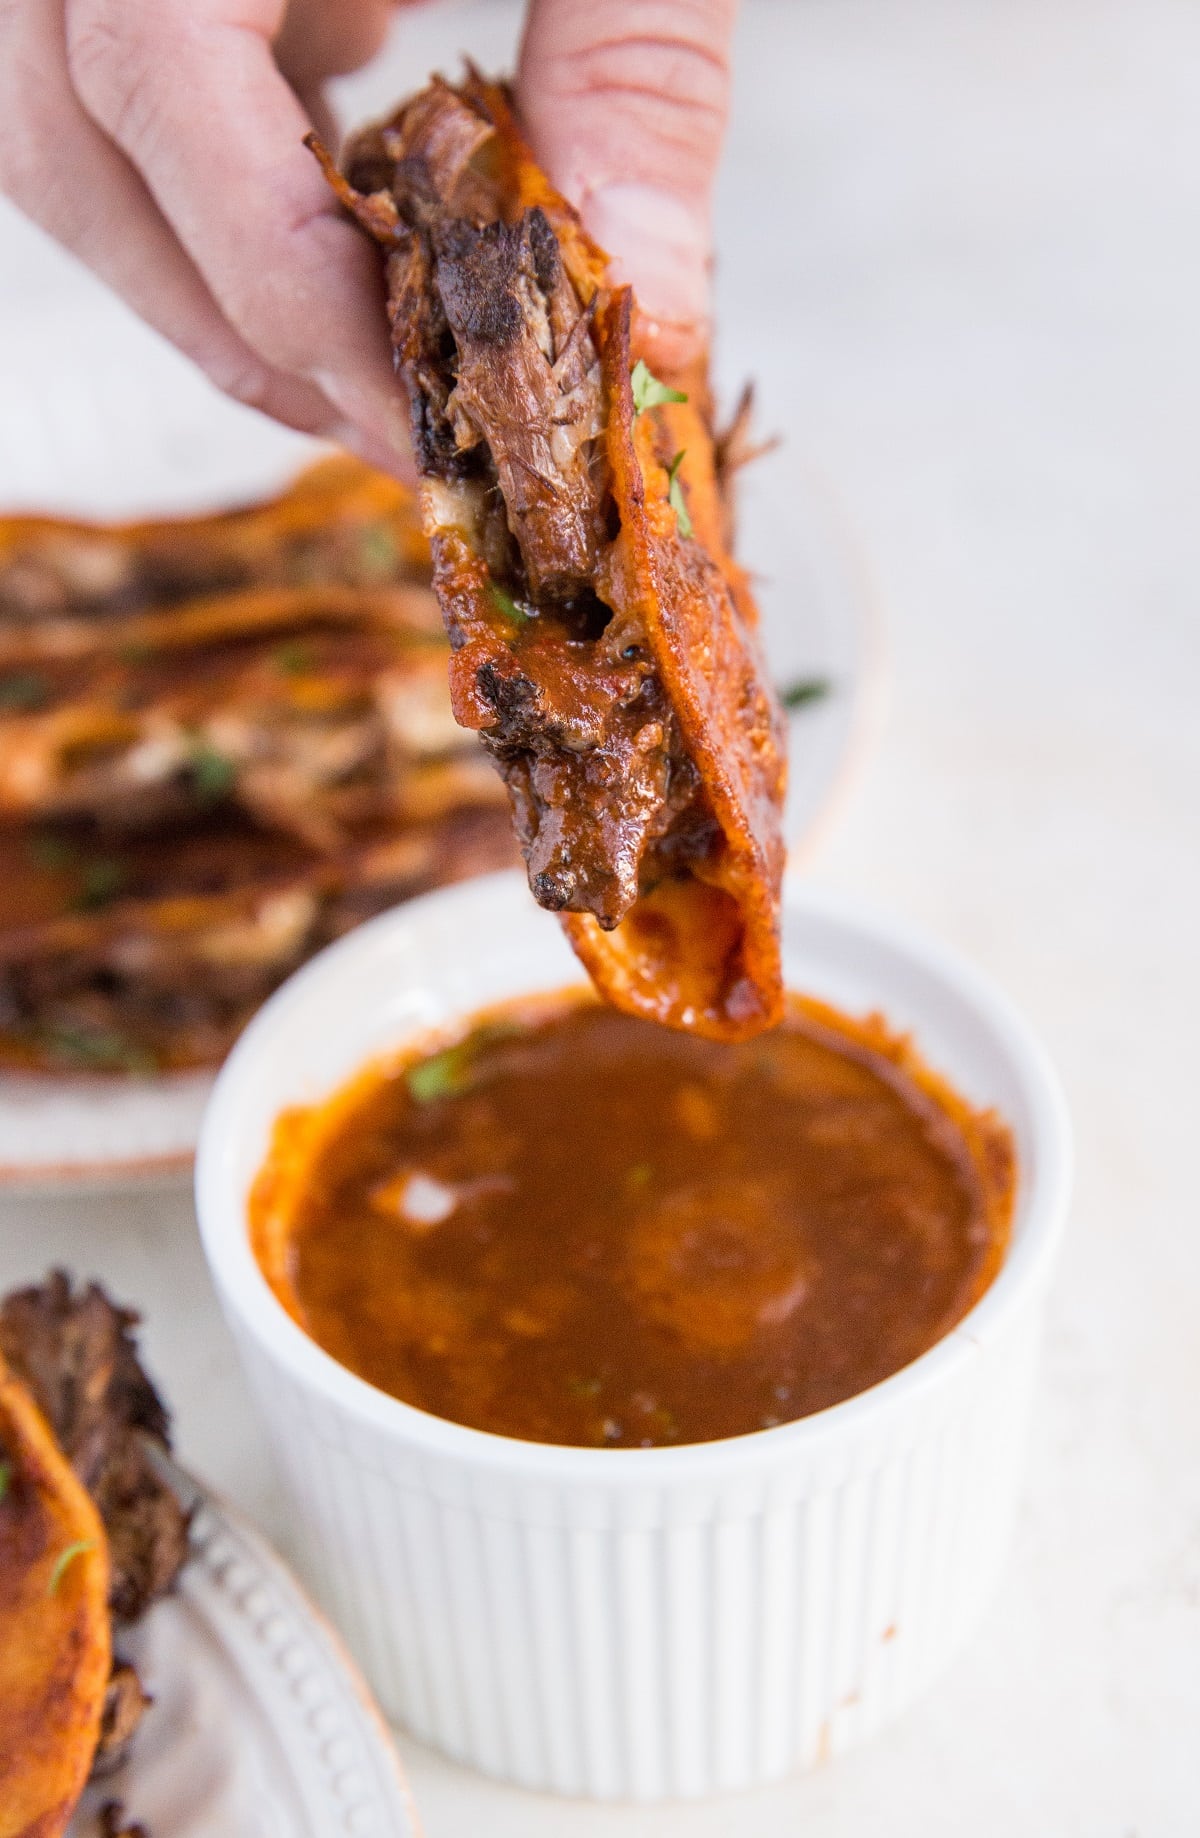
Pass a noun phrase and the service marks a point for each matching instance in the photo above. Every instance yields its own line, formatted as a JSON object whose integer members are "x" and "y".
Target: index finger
{"x": 190, "y": 91}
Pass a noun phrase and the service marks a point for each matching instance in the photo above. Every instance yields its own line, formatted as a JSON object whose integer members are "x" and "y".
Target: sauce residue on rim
{"x": 570, "y": 1226}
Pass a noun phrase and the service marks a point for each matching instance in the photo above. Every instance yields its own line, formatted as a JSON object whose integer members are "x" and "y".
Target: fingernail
{"x": 658, "y": 244}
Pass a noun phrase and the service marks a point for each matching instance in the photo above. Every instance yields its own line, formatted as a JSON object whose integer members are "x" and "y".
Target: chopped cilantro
{"x": 446, "y": 1074}
{"x": 5, "y": 1477}
{"x": 103, "y": 880}
{"x": 65, "y": 1559}
{"x": 506, "y": 604}
{"x": 96, "y": 1049}
{"x": 648, "y": 392}
{"x": 294, "y": 660}
{"x": 50, "y": 851}
{"x": 440, "y": 1077}
{"x": 675, "y": 495}
{"x": 804, "y": 690}
{"x": 24, "y": 689}
{"x": 378, "y": 553}
{"x": 213, "y": 774}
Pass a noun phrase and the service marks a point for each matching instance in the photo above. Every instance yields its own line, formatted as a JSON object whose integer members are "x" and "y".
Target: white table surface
{"x": 961, "y": 245}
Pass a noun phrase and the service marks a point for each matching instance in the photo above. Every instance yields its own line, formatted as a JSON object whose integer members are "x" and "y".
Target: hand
{"x": 625, "y": 103}
{"x": 161, "y": 142}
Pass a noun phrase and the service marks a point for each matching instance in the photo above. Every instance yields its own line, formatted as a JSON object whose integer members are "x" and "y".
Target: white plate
{"x": 261, "y": 1726}
{"x": 102, "y": 418}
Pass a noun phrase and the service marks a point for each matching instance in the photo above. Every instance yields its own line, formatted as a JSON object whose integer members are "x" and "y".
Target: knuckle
{"x": 680, "y": 75}
{"x": 243, "y": 377}
{"x": 117, "y": 70}
{"x": 253, "y": 382}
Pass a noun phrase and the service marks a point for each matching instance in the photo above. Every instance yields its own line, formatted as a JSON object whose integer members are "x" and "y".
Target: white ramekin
{"x": 642, "y": 1623}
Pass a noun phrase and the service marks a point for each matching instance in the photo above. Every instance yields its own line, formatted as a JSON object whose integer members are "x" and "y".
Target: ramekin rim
{"x": 245, "y": 1290}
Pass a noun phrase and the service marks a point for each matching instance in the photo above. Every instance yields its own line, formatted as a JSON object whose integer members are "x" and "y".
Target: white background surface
{"x": 961, "y": 250}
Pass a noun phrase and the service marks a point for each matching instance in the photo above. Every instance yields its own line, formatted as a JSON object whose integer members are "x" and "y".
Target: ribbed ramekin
{"x": 642, "y": 1623}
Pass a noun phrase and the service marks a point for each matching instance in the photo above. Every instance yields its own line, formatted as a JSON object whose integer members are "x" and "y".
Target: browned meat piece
{"x": 527, "y": 383}
{"x": 112, "y": 1823}
{"x": 124, "y": 1707}
{"x": 626, "y": 776}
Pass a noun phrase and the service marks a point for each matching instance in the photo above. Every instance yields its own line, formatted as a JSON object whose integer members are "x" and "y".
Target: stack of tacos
{"x": 223, "y": 741}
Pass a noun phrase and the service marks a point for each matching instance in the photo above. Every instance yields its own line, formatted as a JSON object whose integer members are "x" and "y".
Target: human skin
{"x": 160, "y": 141}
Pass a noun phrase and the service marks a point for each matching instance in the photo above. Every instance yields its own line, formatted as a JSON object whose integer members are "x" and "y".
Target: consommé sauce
{"x": 575, "y": 1227}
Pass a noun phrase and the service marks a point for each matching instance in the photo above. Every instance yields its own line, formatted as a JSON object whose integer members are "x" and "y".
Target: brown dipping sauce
{"x": 576, "y": 1227}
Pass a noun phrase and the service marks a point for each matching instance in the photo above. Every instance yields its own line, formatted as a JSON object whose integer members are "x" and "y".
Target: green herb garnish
{"x": 507, "y": 605}
{"x": 24, "y": 689}
{"x": 103, "y": 880}
{"x": 213, "y": 774}
{"x": 804, "y": 690}
{"x": 446, "y": 1074}
{"x": 96, "y": 1049}
{"x": 648, "y": 392}
{"x": 584, "y": 1387}
{"x": 675, "y": 497}
{"x": 378, "y": 553}
{"x": 440, "y": 1077}
{"x": 65, "y": 1559}
{"x": 638, "y": 1176}
{"x": 54, "y": 852}
{"x": 5, "y": 1477}
{"x": 294, "y": 660}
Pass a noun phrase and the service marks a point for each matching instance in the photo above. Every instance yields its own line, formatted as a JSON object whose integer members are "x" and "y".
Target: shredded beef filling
{"x": 503, "y": 371}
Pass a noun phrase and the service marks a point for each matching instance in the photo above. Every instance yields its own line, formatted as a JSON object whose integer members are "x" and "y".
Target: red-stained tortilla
{"x": 604, "y": 642}
{"x": 55, "y": 1641}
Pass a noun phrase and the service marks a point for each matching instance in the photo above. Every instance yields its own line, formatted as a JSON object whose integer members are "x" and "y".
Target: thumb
{"x": 625, "y": 105}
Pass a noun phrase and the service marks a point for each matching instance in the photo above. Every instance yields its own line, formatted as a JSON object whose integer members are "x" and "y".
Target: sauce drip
{"x": 572, "y": 1226}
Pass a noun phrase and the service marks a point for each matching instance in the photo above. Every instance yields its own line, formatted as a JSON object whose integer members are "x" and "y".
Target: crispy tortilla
{"x": 604, "y": 643}
{"x": 56, "y": 1651}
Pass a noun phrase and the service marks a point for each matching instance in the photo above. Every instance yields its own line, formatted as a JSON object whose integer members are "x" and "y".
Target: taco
{"x": 55, "y": 1637}
{"x": 604, "y": 643}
